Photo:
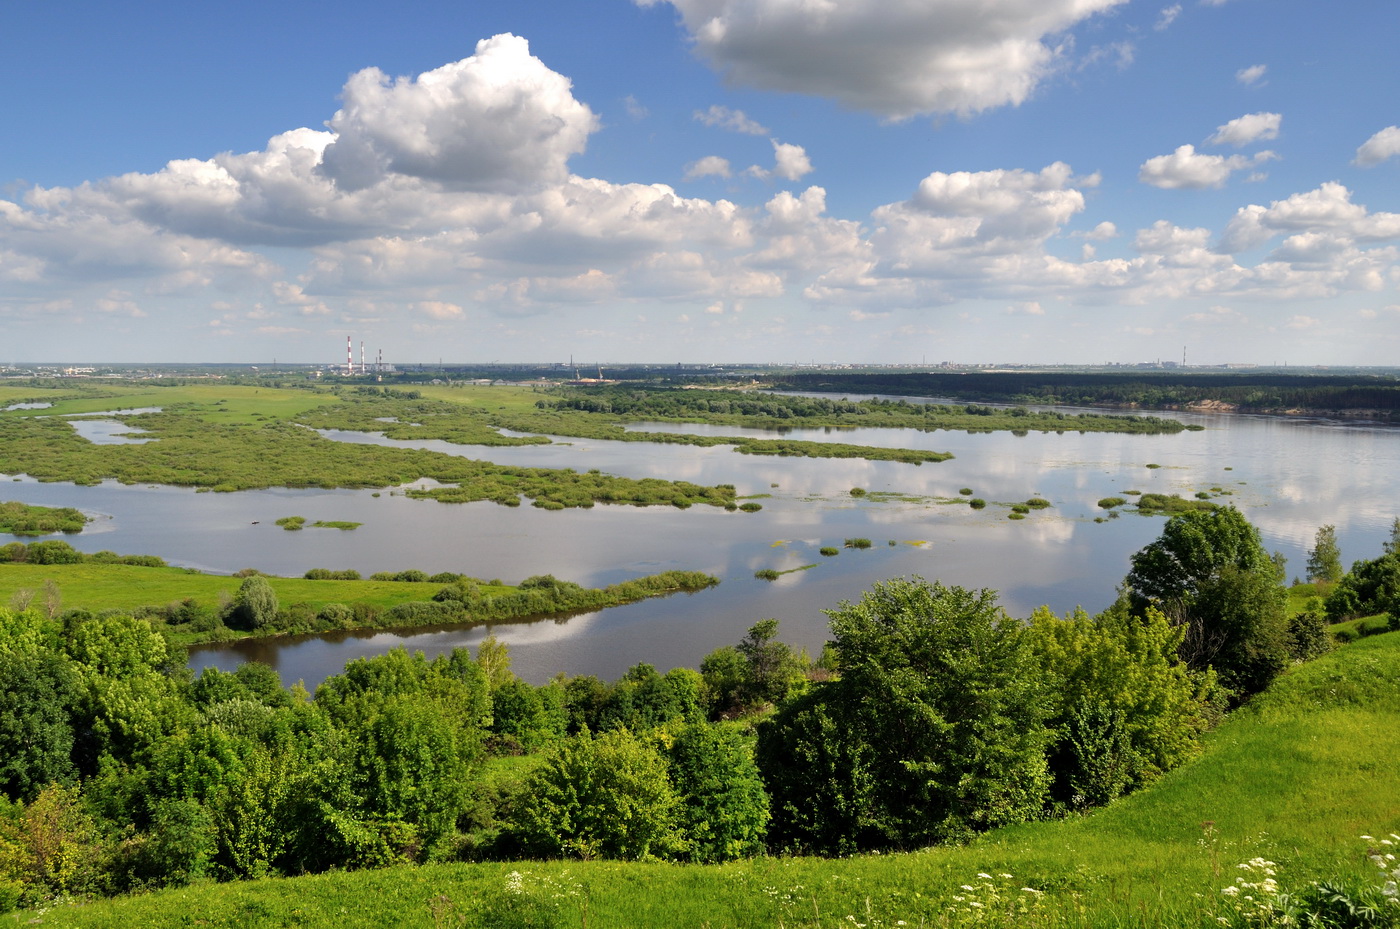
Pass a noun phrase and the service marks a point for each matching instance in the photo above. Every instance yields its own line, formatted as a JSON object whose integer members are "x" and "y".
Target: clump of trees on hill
{"x": 930, "y": 717}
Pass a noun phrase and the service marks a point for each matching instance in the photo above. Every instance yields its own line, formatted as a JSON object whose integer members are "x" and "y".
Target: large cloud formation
{"x": 897, "y": 58}
{"x": 438, "y": 197}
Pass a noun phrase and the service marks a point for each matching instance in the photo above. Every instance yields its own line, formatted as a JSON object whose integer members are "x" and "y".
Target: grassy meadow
{"x": 1296, "y": 777}
{"x": 127, "y": 587}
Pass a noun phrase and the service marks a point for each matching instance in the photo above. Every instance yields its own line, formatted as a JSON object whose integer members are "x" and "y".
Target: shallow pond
{"x": 1288, "y": 476}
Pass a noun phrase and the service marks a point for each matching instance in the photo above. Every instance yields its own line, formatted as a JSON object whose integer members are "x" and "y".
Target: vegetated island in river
{"x": 190, "y": 608}
{"x": 22, "y": 519}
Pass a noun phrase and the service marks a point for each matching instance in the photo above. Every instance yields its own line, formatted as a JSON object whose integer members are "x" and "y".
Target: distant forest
{"x": 1256, "y": 393}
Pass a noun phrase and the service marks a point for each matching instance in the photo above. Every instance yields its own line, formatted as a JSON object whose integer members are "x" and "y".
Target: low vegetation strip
{"x": 192, "y": 608}
{"x": 773, "y": 410}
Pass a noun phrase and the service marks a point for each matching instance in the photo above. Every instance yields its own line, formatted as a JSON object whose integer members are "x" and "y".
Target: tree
{"x": 411, "y": 763}
{"x": 255, "y": 604}
{"x": 39, "y": 693}
{"x": 1325, "y": 558}
{"x": 934, "y": 729}
{"x": 723, "y": 806}
{"x": 1209, "y": 572}
{"x": 607, "y": 796}
{"x": 1124, "y": 707}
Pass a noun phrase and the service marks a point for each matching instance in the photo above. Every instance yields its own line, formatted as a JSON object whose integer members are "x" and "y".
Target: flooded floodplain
{"x": 1287, "y": 475}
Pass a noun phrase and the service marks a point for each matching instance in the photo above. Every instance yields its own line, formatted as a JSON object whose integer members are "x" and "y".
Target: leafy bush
{"x": 607, "y": 796}
{"x": 858, "y": 543}
{"x": 892, "y": 753}
{"x": 977, "y": 503}
{"x": 857, "y": 491}
{"x": 829, "y": 551}
{"x": 1109, "y": 503}
{"x": 766, "y": 574}
{"x": 751, "y": 507}
{"x": 965, "y": 491}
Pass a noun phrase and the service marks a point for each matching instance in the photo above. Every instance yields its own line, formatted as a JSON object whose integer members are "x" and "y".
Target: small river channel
{"x": 1289, "y": 476}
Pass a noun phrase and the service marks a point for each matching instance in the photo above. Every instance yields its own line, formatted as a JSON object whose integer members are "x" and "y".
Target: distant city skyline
{"x": 1008, "y": 182}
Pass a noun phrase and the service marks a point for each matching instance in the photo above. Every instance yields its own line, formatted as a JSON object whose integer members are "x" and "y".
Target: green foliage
{"x": 1325, "y": 557}
{"x": 1109, "y": 503}
{"x": 723, "y": 805}
{"x": 604, "y": 796}
{"x": 766, "y": 574}
{"x": 1369, "y": 587}
{"x": 1307, "y": 635}
{"x": 830, "y": 551}
{"x": 325, "y": 574}
{"x": 1209, "y": 572}
{"x": 255, "y": 604}
{"x": 1170, "y": 505}
{"x": 857, "y": 491}
{"x": 39, "y": 697}
{"x": 934, "y": 729}
{"x": 410, "y": 762}
{"x": 751, "y": 507}
{"x": 977, "y": 503}
{"x": 858, "y": 543}
{"x": 23, "y": 519}
{"x": 965, "y": 492}
{"x": 292, "y": 523}
{"x": 757, "y": 672}
{"x": 1123, "y": 707}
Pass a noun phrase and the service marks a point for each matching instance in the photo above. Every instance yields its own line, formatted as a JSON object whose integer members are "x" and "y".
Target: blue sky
{"x": 1058, "y": 181}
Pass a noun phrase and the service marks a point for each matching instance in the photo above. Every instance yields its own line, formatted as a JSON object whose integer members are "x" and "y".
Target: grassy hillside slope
{"x": 1297, "y": 777}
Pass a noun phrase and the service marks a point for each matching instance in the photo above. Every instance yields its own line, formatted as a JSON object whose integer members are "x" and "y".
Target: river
{"x": 1289, "y": 476}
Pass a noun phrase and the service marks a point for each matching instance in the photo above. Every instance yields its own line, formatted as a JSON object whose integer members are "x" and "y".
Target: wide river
{"x": 1289, "y": 476}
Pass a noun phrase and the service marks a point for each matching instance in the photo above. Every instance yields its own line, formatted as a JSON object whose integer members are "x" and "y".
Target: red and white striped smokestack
{"x": 349, "y": 357}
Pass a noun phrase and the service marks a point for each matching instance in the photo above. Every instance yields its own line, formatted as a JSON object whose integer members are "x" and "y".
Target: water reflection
{"x": 1288, "y": 476}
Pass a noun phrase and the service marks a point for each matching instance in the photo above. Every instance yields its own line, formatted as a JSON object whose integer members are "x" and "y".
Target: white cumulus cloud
{"x": 1379, "y": 147}
{"x": 790, "y": 161}
{"x": 1186, "y": 168}
{"x": 897, "y": 58}
{"x": 498, "y": 120}
{"x": 1246, "y": 129}
{"x": 709, "y": 166}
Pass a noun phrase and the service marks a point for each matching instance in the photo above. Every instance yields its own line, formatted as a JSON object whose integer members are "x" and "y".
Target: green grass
{"x": 126, "y": 587}
{"x": 335, "y": 524}
{"x": 1297, "y": 776}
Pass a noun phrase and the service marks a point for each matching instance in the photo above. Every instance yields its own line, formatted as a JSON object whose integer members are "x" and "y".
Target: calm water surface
{"x": 1288, "y": 476}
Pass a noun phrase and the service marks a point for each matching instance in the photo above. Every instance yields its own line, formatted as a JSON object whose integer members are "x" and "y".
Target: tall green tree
{"x": 723, "y": 805}
{"x": 1325, "y": 558}
{"x": 605, "y": 796}
{"x": 255, "y": 604}
{"x": 934, "y": 729}
{"x": 1209, "y": 572}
